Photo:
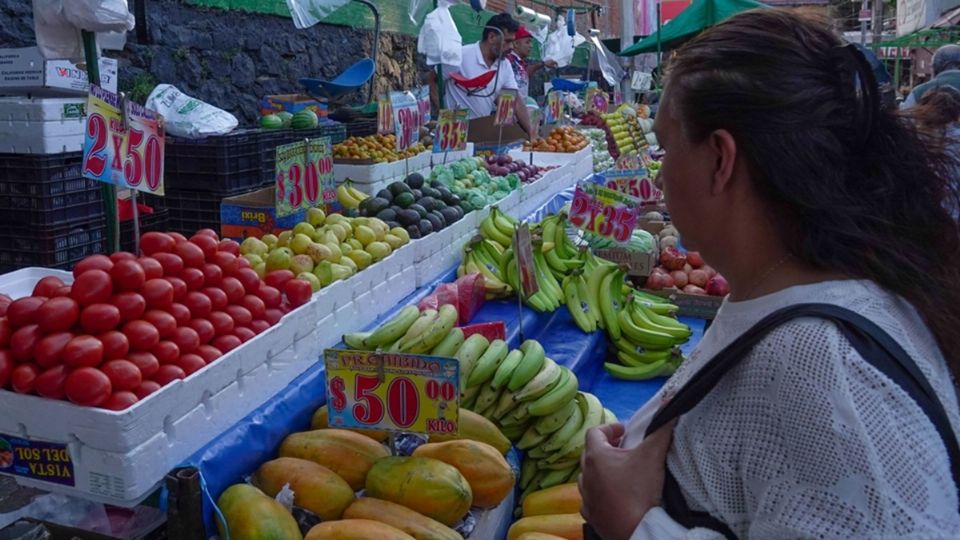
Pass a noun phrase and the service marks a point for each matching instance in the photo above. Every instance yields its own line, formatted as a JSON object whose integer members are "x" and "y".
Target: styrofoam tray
{"x": 438, "y": 159}
{"x": 380, "y": 171}
{"x": 371, "y": 188}
{"x": 41, "y": 125}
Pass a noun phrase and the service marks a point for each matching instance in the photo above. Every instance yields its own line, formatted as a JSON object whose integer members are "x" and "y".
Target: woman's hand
{"x": 619, "y": 485}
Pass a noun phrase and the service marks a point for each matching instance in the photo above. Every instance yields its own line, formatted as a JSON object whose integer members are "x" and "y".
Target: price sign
{"x": 505, "y": 104}
{"x": 604, "y": 212}
{"x": 128, "y": 155}
{"x": 617, "y": 98}
{"x": 554, "y": 108}
{"x": 451, "y": 131}
{"x": 393, "y": 391}
{"x": 423, "y": 103}
{"x": 525, "y": 263}
{"x": 597, "y": 100}
{"x": 406, "y": 119}
{"x": 384, "y": 115}
{"x": 635, "y": 183}
{"x": 304, "y": 176}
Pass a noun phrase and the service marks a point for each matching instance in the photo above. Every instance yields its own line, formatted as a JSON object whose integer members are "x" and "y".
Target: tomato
{"x": 47, "y": 286}
{"x": 249, "y": 279}
{"x": 88, "y": 386}
{"x": 131, "y": 306}
{"x": 6, "y": 330}
{"x": 99, "y": 318}
{"x": 7, "y": 364}
{"x": 181, "y": 313}
{"x": 156, "y": 242}
{"x": 146, "y": 362}
{"x": 278, "y": 278}
{"x": 254, "y": 305}
{"x": 172, "y": 264}
{"x": 259, "y": 326}
{"x": 187, "y": 339}
{"x": 245, "y": 334}
{"x": 177, "y": 237}
{"x": 166, "y": 352}
{"x": 227, "y": 343}
{"x": 168, "y": 373}
{"x": 179, "y": 288}
{"x": 226, "y": 261}
{"x": 23, "y": 378}
{"x": 241, "y": 316}
{"x": 92, "y": 287}
{"x": 5, "y": 302}
{"x": 48, "y": 352}
{"x": 142, "y": 335}
{"x": 151, "y": 267}
{"x": 212, "y": 275}
{"x": 115, "y": 345}
{"x": 229, "y": 246}
{"x": 164, "y": 322}
{"x": 217, "y": 297}
{"x": 128, "y": 275}
{"x": 122, "y": 256}
{"x": 272, "y": 316}
{"x": 146, "y": 388}
{"x": 270, "y": 295}
{"x": 120, "y": 401}
{"x": 93, "y": 262}
{"x": 123, "y": 374}
{"x": 285, "y": 307}
{"x": 158, "y": 293}
{"x": 24, "y": 310}
{"x": 191, "y": 363}
{"x": 58, "y": 314}
{"x": 199, "y": 304}
{"x": 62, "y": 291}
{"x": 207, "y": 232}
{"x": 207, "y": 244}
{"x": 191, "y": 254}
{"x": 222, "y": 323}
{"x": 241, "y": 264}
{"x": 298, "y": 292}
{"x": 23, "y": 341}
{"x": 209, "y": 353}
{"x": 194, "y": 278}
{"x": 50, "y": 383}
{"x": 204, "y": 329}
{"x": 234, "y": 289}
{"x": 83, "y": 351}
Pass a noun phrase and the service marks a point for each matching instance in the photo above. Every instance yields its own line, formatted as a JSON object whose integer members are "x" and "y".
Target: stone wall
{"x": 231, "y": 59}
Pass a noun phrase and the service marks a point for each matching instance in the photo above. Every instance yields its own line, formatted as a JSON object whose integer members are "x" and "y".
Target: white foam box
{"x": 582, "y": 160}
{"x": 371, "y": 188}
{"x": 438, "y": 158}
{"x": 538, "y": 193}
{"x": 437, "y": 255}
{"x": 26, "y": 70}
{"x": 376, "y": 172}
{"x": 42, "y": 125}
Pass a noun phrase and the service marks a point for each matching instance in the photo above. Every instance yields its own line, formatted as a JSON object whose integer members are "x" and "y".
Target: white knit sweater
{"x": 804, "y": 439}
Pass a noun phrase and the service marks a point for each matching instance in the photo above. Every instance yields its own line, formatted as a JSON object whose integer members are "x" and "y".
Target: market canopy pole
{"x": 108, "y": 192}
{"x": 626, "y": 39}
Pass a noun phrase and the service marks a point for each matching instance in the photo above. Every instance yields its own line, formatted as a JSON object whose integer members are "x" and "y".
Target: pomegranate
{"x": 718, "y": 286}
{"x": 672, "y": 259}
{"x": 680, "y": 278}
{"x": 699, "y": 278}
{"x": 694, "y": 259}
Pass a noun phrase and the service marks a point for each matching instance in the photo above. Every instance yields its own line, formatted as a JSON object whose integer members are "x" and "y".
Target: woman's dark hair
{"x": 867, "y": 199}
{"x": 503, "y": 21}
{"x": 937, "y": 110}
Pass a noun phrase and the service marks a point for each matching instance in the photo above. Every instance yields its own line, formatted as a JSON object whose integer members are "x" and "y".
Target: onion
{"x": 680, "y": 278}
{"x": 693, "y": 289}
{"x": 492, "y": 159}
{"x": 672, "y": 259}
{"x": 718, "y": 286}
{"x": 501, "y": 160}
{"x": 699, "y": 278}
{"x": 694, "y": 258}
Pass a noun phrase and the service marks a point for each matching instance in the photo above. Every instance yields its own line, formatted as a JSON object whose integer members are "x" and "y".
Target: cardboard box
{"x": 637, "y": 263}
{"x": 291, "y": 103}
{"x": 691, "y": 305}
{"x": 26, "y": 70}
{"x": 254, "y": 214}
{"x": 487, "y": 136}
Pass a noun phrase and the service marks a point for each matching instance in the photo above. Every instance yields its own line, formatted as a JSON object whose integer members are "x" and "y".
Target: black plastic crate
{"x": 58, "y": 247}
{"x": 222, "y": 163}
{"x": 190, "y": 211}
{"x": 40, "y": 168}
{"x": 157, "y": 221}
{"x": 271, "y": 140}
{"x": 361, "y": 127}
{"x": 46, "y": 190}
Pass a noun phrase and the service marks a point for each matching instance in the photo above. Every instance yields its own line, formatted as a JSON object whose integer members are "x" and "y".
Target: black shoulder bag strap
{"x": 873, "y": 344}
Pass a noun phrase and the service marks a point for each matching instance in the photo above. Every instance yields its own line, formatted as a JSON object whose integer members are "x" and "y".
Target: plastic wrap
{"x": 307, "y": 13}
{"x": 439, "y": 38}
{"x": 607, "y": 61}
{"x": 57, "y": 23}
{"x": 189, "y": 117}
{"x": 467, "y": 294}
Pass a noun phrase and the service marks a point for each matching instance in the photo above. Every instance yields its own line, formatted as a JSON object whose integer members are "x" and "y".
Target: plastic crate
{"x": 362, "y": 127}
{"x": 157, "y": 221}
{"x": 275, "y": 138}
{"x": 190, "y": 211}
{"x": 58, "y": 247}
{"x": 223, "y": 163}
{"x": 46, "y": 190}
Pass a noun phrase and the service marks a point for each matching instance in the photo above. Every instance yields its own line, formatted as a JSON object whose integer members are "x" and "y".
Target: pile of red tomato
{"x": 129, "y": 325}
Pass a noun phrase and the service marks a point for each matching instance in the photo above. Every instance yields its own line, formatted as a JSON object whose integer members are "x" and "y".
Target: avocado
{"x": 414, "y": 232}
{"x": 385, "y": 194}
{"x": 450, "y": 214}
{"x": 408, "y": 217}
{"x": 436, "y": 184}
{"x": 404, "y": 200}
{"x": 452, "y": 200}
{"x": 387, "y": 214}
{"x": 398, "y": 187}
{"x": 436, "y": 220}
{"x": 430, "y": 192}
{"x": 414, "y": 180}
{"x": 419, "y": 210}
{"x": 429, "y": 203}
{"x": 392, "y": 224}
{"x": 426, "y": 227}
{"x": 417, "y": 194}
{"x": 375, "y": 205}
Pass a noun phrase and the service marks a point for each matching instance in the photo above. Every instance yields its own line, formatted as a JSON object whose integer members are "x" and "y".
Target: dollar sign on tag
{"x": 338, "y": 399}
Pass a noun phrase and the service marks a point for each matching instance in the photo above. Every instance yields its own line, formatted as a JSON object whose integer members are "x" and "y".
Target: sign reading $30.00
{"x": 304, "y": 173}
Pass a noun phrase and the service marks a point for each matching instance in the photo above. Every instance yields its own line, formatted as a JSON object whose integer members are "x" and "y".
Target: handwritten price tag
{"x": 393, "y": 392}
{"x": 127, "y": 155}
{"x": 505, "y": 104}
{"x": 384, "y": 115}
{"x": 617, "y": 98}
{"x": 635, "y": 183}
{"x": 406, "y": 119}
{"x": 554, "y": 108}
{"x": 604, "y": 212}
{"x": 451, "y": 131}
{"x": 597, "y": 100}
{"x": 304, "y": 174}
{"x": 423, "y": 102}
{"x": 524, "y": 251}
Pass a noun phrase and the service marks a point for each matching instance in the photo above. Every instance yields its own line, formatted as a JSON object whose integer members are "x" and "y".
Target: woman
{"x": 785, "y": 172}
{"x": 937, "y": 115}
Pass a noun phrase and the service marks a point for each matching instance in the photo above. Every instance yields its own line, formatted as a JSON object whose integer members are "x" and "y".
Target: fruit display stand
{"x": 579, "y": 164}
{"x": 370, "y": 173}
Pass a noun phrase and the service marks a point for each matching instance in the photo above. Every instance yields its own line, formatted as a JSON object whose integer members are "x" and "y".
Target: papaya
{"x": 252, "y": 515}
{"x": 568, "y": 526}
{"x": 315, "y": 487}
{"x": 346, "y": 453}
{"x": 562, "y": 499}
{"x": 319, "y": 421}
{"x": 490, "y": 476}
{"x": 539, "y": 536}
{"x": 396, "y": 515}
{"x": 426, "y": 485}
{"x": 477, "y": 428}
{"x": 356, "y": 529}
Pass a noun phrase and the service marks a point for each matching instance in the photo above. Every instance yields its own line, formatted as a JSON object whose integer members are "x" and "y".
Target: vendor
{"x": 522, "y": 70}
{"x": 479, "y": 58}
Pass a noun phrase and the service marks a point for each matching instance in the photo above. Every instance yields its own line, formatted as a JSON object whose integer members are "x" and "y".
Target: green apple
{"x": 303, "y": 228}
{"x": 301, "y": 263}
{"x": 254, "y": 246}
{"x": 316, "y": 217}
{"x": 300, "y": 243}
{"x": 279, "y": 259}
{"x": 284, "y": 239}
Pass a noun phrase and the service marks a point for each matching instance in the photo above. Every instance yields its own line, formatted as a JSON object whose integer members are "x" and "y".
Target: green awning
{"x": 698, "y": 16}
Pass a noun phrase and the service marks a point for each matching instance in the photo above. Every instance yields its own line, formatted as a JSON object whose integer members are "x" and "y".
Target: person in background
{"x": 479, "y": 58}
{"x": 522, "y": 69}
{"x": 946, "y": 72}
{"x": 938, "y": 117}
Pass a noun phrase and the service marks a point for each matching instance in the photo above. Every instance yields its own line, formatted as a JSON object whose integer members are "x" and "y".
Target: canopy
{"x": 699, "y": 16}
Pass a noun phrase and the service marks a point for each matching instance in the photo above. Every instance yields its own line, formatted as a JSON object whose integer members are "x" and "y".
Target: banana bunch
{"x": 349, "y": 196}
{"x": 648, "y": 345}
{"x": 487, "y": 257}
{"x": 412, "y": 331}
{"x": 559, "y": 252}
{"x": 498, "y": 226}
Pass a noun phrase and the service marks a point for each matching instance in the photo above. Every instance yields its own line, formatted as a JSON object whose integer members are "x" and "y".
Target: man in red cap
{"x": 522, "y": 46}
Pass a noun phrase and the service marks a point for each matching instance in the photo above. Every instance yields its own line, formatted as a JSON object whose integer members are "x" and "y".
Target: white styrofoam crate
{"x": 380, "y": 171}
{"x": 453, "y": 156}
{"x": 510, "y": 203}
{"x": 371, "y": 188}
{"x": 41, "y": 125}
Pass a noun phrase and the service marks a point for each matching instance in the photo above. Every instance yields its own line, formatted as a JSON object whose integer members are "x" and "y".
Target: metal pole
{"x": 108, "y": 192}
{"x": 627, "y": 32}
{"x": 863, "y": 23}
{"x": 877, "y": 22}
{"x": 659, "y": 44}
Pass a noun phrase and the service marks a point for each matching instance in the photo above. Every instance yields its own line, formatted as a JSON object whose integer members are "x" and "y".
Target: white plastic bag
{"x": 560, "y": 45}
{"x": 439, "y": 39}
{"x": 607, "y": 61}
{"x": 189, "y": 117}
{"x": 307, "y": 13}
{"x": 57, "y": 23}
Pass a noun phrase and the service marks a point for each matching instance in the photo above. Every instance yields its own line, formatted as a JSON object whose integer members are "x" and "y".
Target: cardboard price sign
{"x": 406, "y": 119}
{"x": 525, "y": 263}
{"x": 393, "y": 391}
{"x": 604, "y": 212}
{"x": 505, "y": 104}
{"x": 384, "y": 115}
{"x": 635, "y": 183}
{"x": 451, "y": 131}
{"x": 423, "y": 103}
{"x": 554, "y": 108}
{"x": 304, "y": 176}
{"x": 127, "y": 154}
{"x": 597, "y": 100}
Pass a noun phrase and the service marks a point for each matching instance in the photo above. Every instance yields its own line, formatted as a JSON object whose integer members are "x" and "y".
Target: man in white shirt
{"x": 479, "y": 58}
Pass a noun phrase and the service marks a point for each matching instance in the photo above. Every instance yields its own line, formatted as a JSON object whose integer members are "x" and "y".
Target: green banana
{"x": 418, "y": 327}
{"x": 488, "y": 363}
{"x": 504, "y": 225}
{"x": 558, "y": 397}
{"x": 506, "y": 368}
{"x": 609, "y": 417}
{"x": 594, "y": 417}
{"x": 355, "y": 340}
{"x": 528, "y": 470}
{"x": 513, "y": 432}
{"x": 572, "y": 424}
{"x": 545, "y": 379}
{"x": 595, "y": 278}
{"x": 639, "y": 373}
{"x": 537, "y": 452}
{"x": 546, "y": 280}
{"x": 577, "y": 306}
{"x": 607, "y": 308}
{"x": 442, "y": 325}
{"x": 531, "y": 488}
{"x": 468, "y": 354}
{"x": 505, "y": 405}
{"x": 489, "y": 230}
{"x": 521, "y": 414}
{"x": 567, "y": 249}
{"x": 648, "y": 319}
{"x": 559, "y": 465}
{"x": 450, "y": 344}
{"x": 555, "y": 478}
{"x": 644, "y": 337}
{"x": 393, "y": 329}
{"x": 468, "y": 398}
{"x": 488, "y": 397}
{"x": 530, "y": 438}
{"x": 552, "y": 422}
{"x": 533, "y": 358}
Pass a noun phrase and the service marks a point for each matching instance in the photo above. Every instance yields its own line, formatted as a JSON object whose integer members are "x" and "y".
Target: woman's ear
{"x": 724, "y": 148}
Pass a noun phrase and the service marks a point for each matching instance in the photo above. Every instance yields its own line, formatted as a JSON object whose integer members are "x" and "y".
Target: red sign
{"x": 604, "y": 212}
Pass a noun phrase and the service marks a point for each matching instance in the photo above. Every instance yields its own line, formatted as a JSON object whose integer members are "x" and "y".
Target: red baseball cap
{"x": 523, "y": 33}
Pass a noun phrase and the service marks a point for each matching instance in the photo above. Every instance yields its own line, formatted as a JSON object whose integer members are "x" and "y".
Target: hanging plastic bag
{"x": 189, "y": 117}
{"x": 57, "y": 23}
{"x": 607, "y": 61}
{"x": 560, "y": 45}
{"x": 307, "y": 13}
{"x": 417, "y": 10}
{"x": 439, "y": 39}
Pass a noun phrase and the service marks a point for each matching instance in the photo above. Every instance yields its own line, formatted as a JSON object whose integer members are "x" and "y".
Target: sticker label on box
{"x": 48, "y": 462}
